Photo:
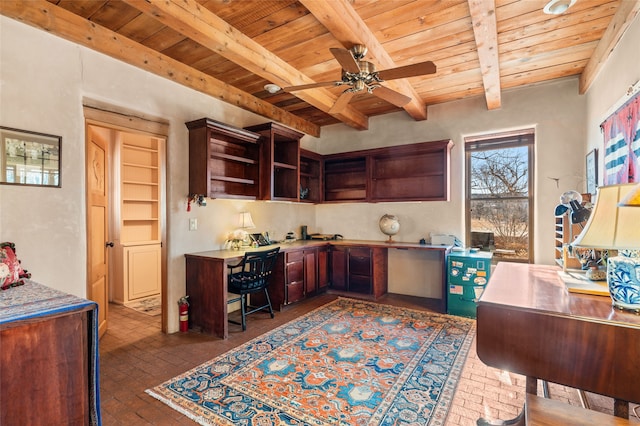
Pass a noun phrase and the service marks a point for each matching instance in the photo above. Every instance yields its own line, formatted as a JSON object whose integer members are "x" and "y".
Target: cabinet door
{"x": 360, "y": 284}
{"x": 142, "y": 270}
{"x": 339, "y": 268}
{"x": 323, "y": 267}
{"x": 310, "y": 271}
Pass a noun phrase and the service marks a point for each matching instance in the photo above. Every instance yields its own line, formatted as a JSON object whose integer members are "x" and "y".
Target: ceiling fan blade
{"x": 346, "y": 60}
{"x": 391, "y": 96}
{"x": 311, "y": 86}
{"x": 342, "y": 102}
{"x": 422, "y": 68}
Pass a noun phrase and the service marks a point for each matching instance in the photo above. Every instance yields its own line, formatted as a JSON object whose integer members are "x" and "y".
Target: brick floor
{"x": 135, "y": 355}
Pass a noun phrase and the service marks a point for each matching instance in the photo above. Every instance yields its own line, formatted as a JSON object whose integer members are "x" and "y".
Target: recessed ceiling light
{"x": 273, "y": 88}
{"x": 558, "y": 7}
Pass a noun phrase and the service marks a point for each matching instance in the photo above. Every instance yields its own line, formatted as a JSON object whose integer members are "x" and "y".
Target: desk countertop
{"x": 298, "y": 244}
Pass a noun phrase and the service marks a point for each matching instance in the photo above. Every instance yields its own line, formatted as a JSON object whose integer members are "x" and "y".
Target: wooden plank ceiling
{"x": 230, "y": 49}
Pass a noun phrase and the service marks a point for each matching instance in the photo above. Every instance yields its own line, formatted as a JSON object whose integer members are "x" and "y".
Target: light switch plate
{"x": 193, "y": 224}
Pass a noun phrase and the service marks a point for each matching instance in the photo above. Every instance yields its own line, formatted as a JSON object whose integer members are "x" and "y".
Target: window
{"x": 499, "y": 200}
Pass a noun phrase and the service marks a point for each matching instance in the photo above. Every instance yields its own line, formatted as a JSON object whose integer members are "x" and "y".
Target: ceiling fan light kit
{"x": 362, "y": 76}
{"x": 558, "y": 7}
{"x": 272, "y": 88}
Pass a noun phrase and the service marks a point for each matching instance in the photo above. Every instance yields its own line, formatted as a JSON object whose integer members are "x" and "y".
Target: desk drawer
{"x": 360, "y": 261}
{"x": 295, "y": 272}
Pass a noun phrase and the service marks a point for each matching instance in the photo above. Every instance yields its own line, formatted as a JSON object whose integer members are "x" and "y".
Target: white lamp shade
{"x": 246, "y": 221}
{"x": 610, "y": 226}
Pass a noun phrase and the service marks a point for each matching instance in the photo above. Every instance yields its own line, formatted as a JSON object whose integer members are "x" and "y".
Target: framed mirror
{"x": 29, "y": 158}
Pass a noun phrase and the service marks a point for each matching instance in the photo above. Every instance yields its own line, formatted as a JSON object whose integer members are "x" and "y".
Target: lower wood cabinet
{"x": 305, "y": 272}
{"x": 310, "y": 270}
{"x": 323, "y": 268}
{"x": 299, "y": 273}
{"x": 338, "y": 279}
{"x": 359, "y": 269}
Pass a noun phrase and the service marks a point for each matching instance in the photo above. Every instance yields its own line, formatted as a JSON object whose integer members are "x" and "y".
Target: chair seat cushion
{"x": 245, "y": 282}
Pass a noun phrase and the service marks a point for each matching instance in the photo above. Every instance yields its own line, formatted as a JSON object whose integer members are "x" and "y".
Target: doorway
{"x": 126, "y": 253}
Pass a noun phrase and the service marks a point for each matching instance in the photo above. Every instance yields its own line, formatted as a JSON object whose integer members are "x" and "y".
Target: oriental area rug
{"x": 346, "y": 363}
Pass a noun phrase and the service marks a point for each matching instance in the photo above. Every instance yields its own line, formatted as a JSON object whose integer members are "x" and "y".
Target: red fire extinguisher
{"x": 183, "y": 309}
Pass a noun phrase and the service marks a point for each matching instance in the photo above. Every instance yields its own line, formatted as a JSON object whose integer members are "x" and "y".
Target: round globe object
{"x": 389, "y": 225}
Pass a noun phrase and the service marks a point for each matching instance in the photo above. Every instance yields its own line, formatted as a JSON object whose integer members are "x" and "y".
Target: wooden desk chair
{"x": 251, "y": 275}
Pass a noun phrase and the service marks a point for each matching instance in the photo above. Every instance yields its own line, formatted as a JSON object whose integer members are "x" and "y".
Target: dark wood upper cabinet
{"x": 265, "y": 162}
{"x": 345, "y": 177}
{"x": 311, "y": 177}
{"x": 415, "y": 172}
{"x": 279, "y": 162}
{"x": 223, "y": 160}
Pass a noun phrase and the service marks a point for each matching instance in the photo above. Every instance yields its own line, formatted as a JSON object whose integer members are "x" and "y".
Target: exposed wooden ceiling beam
{"x": 483, "y": 18}
{"x": 625, "y": 14}
{"x": 340, "y": 18}
{"x": 199, "y": 24}
{"x": 55, "y": 20}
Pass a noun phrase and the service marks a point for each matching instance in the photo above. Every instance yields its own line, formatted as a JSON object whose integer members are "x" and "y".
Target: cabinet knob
{"x": 109, "y": 244}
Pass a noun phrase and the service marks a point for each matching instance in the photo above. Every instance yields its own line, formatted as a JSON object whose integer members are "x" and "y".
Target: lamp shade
{"x": 610, "y": 226}
{"x": 632, "y": 199}
{"x": 246, "y": 221}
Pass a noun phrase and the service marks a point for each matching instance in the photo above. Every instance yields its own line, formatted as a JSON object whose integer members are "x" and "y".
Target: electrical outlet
{"x": 193, "y": 224}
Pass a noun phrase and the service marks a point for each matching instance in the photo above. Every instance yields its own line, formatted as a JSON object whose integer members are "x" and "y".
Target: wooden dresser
{"x": 529, "y": 324}
{"x": 48, "y": 357}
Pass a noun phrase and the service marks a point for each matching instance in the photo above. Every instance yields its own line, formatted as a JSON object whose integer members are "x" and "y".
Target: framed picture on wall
{"x": 29, "y": 158}
{"x": 592, "y": 171}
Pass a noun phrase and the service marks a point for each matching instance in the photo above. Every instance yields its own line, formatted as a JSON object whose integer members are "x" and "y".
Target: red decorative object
{"x": 11, "y": 273}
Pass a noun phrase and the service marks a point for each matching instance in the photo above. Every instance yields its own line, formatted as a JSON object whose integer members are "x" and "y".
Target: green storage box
{"x": 467, "y": 275}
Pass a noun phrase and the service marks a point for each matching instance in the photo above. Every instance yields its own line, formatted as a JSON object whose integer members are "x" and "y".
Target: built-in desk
{"x": 529, "y": 324}
{"x": 206, "y": 278}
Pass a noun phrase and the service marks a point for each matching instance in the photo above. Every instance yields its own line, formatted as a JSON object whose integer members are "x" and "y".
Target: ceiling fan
{"x": 361, "y": 75}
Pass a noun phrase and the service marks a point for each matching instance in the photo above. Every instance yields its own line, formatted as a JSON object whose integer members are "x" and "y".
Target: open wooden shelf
{"x": 223, "y": 160}
{"x": 279, "y": 162}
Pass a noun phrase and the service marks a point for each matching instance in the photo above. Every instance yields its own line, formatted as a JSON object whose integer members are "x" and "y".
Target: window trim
{"x": 494, "y": 141}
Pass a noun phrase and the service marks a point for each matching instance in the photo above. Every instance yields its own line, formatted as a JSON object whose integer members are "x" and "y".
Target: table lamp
{"x": 615, "y": 227}
{"x": 246, "y": 221}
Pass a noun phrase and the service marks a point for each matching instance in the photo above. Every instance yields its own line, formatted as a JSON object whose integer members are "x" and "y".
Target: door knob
{"x": 109, "y": 244}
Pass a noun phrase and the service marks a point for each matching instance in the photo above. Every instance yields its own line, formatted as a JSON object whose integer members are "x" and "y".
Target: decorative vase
{"x": 623, "y": 276}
